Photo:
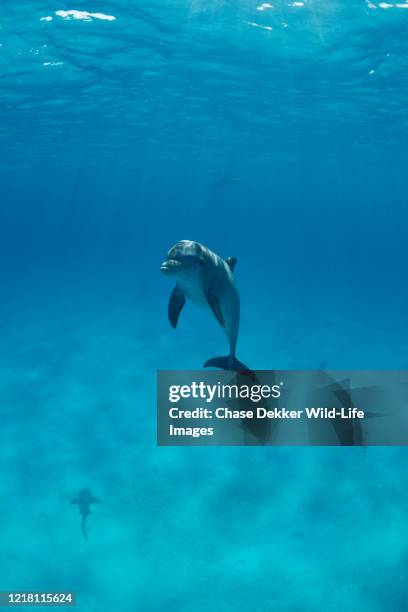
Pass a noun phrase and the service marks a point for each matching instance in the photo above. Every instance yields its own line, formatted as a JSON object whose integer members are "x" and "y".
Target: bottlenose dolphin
{"x": 206, "y": 280}
{"x": 84, "y": 500}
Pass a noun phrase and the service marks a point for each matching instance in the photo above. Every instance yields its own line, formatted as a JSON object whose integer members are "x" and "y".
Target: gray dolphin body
{"x": 205, "y": 279}
{"x": 84, "y": 500}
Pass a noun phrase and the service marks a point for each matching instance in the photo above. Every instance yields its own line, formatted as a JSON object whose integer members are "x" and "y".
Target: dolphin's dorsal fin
{"x": 75, "y": 501}
{"x": 176, "y": 303}
{"x": 95, "y": 500}
{"x": 231, "y": 262}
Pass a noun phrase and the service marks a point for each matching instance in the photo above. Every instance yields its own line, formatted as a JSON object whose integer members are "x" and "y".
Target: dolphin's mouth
{"x": 170, "y": 266}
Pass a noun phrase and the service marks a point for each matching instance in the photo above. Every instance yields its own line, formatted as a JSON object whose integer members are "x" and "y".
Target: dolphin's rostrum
{"x": 84, "y": 500}
{"x": 207, "y": 280}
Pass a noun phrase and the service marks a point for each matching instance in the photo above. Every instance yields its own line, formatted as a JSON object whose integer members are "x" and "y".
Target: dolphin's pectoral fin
{"x": 95, "y": 500}
{"x": 74, "y": 501}
{"x": 215, "y": 307}
{"x": 176, "y": 303}
{"x": 231, "y": 262}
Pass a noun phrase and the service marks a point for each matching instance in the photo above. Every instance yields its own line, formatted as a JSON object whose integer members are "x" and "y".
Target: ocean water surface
{"x": 273, "y": 132}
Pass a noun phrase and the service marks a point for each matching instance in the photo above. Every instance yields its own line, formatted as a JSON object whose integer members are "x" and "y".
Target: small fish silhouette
{"x": 84, "y": 500}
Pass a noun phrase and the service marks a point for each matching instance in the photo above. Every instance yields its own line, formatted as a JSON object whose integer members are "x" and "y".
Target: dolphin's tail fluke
{"x": 230, "y": 362}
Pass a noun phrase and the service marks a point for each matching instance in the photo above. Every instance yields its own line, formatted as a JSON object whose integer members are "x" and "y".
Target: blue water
{"x": 275, "y": 134}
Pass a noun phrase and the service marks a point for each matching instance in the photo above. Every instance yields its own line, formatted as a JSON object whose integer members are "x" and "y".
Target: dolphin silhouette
{"x": 84, "y": 500}
{"x": 225, "y": 180}
{"x": 206, "y": 280}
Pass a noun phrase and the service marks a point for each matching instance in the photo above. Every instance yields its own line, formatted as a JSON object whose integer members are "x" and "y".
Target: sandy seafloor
{"x": 189, "y": 529}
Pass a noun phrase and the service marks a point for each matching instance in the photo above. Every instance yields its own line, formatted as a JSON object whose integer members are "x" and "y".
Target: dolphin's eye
{"x": 201, "y": 262}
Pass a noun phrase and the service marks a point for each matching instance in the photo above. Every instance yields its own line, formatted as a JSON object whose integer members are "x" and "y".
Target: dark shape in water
{"x": 84, "y": 500}
{"x": 223, "y": 181}
{"x": 349, "y": 432}
{"x": 261, "y": 429}
{"x": 329, "y": 391}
